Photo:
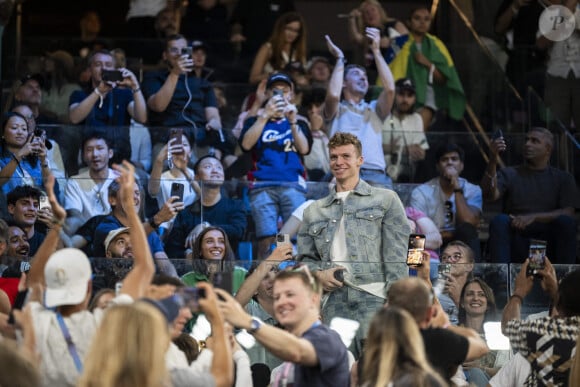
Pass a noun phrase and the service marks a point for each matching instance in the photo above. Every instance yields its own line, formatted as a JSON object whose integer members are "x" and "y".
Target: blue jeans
{"x": 507, "y": 244}
{"x": 376, "y": 178}
{"x": 270, "y": 202}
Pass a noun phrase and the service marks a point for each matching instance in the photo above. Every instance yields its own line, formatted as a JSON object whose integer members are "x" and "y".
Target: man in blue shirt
{"x": 277, "y": 138}
{"x": 109, "y": 103}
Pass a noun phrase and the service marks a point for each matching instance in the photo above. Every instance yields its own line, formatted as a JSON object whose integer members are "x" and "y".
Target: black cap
{"x": 198, "y": 45}
{"x": 404, "y": 84}
{"x": 279, "y": 77}
{"x": 37, "y": 77}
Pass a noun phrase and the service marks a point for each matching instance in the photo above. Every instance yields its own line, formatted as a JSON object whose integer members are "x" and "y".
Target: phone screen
{"x": 415, "y": 249}
{"x": 43, "y": 202}
{"x": 537, "y": 256}
{"x": 177, "y": 190}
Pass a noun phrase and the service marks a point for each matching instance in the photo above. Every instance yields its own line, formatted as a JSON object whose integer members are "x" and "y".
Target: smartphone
{"x": 188, "y": 51}
{"x": 223, "y": 280}
{"x": 278, "y": 92}
{"x": 189, "y": 297}
{"x": 111, "y": 75}
{"x": 444, "y": 269}
{"x": 43, "y": 202}
{"x": 537, "y": 256}
{"x": 497, "y": 134}
{"x": 177, "y": 190}
{"x": 176, "y": 134}
{"x": 282, "y": 238}
{"x": 415, "y": 250}
{"x": 339, "y": 275}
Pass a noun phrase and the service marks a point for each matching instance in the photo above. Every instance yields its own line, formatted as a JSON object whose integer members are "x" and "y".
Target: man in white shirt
{"x": 86, "y": 193}
{"x": 404, "y": 141}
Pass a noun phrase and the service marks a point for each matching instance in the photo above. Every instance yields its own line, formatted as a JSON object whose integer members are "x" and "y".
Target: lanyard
{"x": 69, "y": 342}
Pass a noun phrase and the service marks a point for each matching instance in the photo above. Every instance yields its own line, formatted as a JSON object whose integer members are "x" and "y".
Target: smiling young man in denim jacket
{"x": 359, "y": 230}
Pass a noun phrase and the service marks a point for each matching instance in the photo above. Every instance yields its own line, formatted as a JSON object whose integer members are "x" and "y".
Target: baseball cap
{"x": 37, "y": 77}
{"x": 279, "y": 77}
{"x": 198, "y": 45}
{"x": 169, "y": 307}
{"x": 405, "y": 84}
{"x": 67, "y": 275}
{"x": 113, "y": 234}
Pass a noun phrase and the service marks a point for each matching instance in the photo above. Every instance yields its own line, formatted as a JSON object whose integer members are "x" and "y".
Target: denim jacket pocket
{"x": 368, "y": 221}
{"x": 318, "y": 232}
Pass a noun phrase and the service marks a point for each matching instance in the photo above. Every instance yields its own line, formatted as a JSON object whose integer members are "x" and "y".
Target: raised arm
{"x": 251, "y": 283}
{"x": 488, "y": 183}
{"x": 138, "y": 108}
{"x": 336, "y": 79}
{"x": 387, "y": 96}
{"x": 50, "y": 243}
{"x": 139, "y": 278}
{"x": 221, "y": 366}
{"x": 279, "y": 342}
{"x": 523, "y": 286}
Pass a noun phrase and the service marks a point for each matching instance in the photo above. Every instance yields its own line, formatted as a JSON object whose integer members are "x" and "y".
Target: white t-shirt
{"x": 167, "y": 179}
{"x": 57, "y": 367}
{"x": 513, "y": 373}
{"x": 84, "y": 195}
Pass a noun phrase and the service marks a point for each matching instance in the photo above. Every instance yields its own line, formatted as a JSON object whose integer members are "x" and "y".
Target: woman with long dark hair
{"x": 287, "y": 45}
{"x": 22, "y": 155}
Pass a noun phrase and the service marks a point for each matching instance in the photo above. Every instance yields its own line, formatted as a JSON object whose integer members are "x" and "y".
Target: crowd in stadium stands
{"x": 151, "y": 236}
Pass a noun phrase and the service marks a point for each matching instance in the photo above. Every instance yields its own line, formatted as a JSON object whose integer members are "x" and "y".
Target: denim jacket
{"x": 376, "y": 230}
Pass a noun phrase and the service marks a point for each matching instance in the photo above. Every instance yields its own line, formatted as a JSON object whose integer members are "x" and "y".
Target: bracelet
{"x": 152, "y": 223}
{"x": 518, "y": 297}
{"x": 101, "y": 96}
{"x": 293, "y": 123}
{"x": 45, "y": 165}
{"x": 56, "y": 221}
{"x": 135, "y": 91}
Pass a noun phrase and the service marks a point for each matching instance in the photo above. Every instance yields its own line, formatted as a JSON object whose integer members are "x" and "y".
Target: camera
{"x": 111, "y": 76}
{"x": 282, "y": 238}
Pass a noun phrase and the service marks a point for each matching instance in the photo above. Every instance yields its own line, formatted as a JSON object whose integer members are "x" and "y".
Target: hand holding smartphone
{"x": 177, "y": 189}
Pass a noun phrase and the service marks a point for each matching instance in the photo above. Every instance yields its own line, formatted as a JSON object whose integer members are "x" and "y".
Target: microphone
{"x": 344, "y": 16}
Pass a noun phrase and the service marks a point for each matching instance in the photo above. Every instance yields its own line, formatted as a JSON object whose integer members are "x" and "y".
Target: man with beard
{"x": 538, "y": 202}
{"x": 24, "y": 210}
{"x": 212, "y": 208}
{"x": 86, "y": 194}
{"x": 17, "y": 254}
{"x": 404, "y": 141}
{"x": 118, "y": 218}
{"x": 118, "y": 244}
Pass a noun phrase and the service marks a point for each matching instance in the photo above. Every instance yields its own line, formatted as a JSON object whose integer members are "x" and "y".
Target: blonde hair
{"x": 374, "y": 3}
{"x": 128, "y": 349}
{"x": 394, "y": 350}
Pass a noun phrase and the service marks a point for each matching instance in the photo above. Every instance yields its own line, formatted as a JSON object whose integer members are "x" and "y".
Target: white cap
{"x": 113, "y": 234}
{"x": 67, "y": 274}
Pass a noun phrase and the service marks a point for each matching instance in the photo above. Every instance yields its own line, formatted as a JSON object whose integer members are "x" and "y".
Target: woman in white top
{"x": 160, "y": 183}
{"x": 286, "y": 44}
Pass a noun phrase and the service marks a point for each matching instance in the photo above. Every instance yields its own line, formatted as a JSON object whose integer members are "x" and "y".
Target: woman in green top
{"x": 213, "y": 260}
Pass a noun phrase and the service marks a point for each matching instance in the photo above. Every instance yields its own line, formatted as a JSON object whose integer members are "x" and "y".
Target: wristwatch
{"x": 255, "y": 324}
{"x": 456, "y": 190}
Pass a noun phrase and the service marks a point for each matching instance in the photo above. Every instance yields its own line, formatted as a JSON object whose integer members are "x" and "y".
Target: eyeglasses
{"x": 454, "y": 258}
{"x": 448, "y": 212}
